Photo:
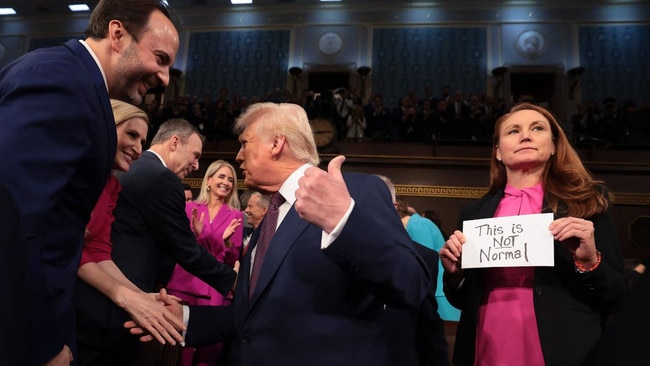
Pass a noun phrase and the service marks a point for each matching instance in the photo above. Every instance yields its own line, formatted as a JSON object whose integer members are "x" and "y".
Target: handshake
{"x": 163, "y": 320}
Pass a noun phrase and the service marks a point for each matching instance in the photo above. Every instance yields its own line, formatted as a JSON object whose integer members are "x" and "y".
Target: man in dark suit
{"x": 339, "y": 256}
{"x": 255, "y": 211}
{"x": 150, "y": 227}
{"x": 417, "y": 337}
{"x": 57, "y": 147}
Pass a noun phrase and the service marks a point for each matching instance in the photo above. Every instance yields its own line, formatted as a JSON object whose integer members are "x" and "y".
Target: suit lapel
{"x": 286, "y": 235}
{"x": 95, "y": 73}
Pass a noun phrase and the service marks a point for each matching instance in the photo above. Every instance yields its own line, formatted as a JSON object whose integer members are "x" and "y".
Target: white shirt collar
{"x": 90, "y": 50}
{"x": 289, "y": 187}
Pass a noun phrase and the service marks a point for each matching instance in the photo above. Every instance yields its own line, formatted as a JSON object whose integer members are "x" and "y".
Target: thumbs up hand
{"x": 322, "y": 197}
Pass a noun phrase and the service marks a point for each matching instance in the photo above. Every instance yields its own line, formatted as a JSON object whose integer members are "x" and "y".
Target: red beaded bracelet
{"x": 581, "y": 269}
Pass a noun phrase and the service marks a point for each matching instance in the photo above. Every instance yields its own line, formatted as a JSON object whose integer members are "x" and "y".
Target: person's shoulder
{"x": 148, "y": 171}
{"x": 53, "y": 65}
{"x": 360, "y": 177}
{"x": 47, "y": 57}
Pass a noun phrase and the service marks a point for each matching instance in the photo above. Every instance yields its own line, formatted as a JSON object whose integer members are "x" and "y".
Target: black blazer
{"x": 14, "y": 288}
{"x": 570, "y": 307}
{"x": 322, "y": 307}
{"x": 151, "y": 223}
{"x": 416, "y": 337}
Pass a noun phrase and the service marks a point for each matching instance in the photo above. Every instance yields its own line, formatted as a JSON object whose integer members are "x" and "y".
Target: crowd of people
{"x": 449, "y": 115}
{"x": 110, "y": 260}
{"x": 611, "y": 122}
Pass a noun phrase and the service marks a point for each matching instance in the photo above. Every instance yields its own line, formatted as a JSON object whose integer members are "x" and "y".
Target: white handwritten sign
{"x": 511, "y": 241}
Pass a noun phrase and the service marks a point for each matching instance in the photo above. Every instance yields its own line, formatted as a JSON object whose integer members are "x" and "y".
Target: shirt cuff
{"x": 327, "y": 239}
{"x": 186, "y": 320}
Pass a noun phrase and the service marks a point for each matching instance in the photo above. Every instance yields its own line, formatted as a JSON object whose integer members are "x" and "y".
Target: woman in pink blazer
{"x": 216, "y": 220}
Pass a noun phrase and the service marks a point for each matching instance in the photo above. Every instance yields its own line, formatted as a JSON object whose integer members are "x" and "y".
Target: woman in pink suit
{"x": 216, "y": 221}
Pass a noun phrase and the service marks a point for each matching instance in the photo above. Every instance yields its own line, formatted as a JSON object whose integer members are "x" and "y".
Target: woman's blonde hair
{"x": 204, "y": 197}
{"x": 568, "y": 186}
{"x": 123, "y": 112}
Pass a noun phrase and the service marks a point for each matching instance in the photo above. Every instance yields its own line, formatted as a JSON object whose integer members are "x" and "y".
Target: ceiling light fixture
{"x": 239, "y": 2}
{"x": 7, "y": 11}
{"x": 79, "y": 7}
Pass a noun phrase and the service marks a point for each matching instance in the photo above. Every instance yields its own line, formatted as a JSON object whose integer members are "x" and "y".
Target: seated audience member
{"x": 216, "y": 221}
{"x": 97, "y": 270}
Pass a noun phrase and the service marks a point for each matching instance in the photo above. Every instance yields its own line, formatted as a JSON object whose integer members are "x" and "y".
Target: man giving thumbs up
{"x": 339, "y": 254}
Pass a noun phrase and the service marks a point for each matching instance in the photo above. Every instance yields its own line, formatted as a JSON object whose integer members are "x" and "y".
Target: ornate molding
{"x": 439, "y": 191}
{"x": 195, "y": 183}
{"x": 639, "y": 199}
{"x": 642, "y": 199}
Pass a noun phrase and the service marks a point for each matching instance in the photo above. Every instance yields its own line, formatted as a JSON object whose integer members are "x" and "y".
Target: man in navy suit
{"x": 150, "y": 234}
{"x": 339, "y": 256}
{"x": 57, "y": 147}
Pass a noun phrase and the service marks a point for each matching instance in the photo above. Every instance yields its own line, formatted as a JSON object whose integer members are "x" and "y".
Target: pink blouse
{"x": 507, "y": 327}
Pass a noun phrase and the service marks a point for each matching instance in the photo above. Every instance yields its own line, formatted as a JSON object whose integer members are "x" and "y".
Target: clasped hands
{"x": 173, "y": 311}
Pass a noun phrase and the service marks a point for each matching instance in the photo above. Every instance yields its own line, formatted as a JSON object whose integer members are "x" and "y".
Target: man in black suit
{"x": 57, "y": 147}
{"x": 150, "y": 227}
{"x": 416, "y": 337}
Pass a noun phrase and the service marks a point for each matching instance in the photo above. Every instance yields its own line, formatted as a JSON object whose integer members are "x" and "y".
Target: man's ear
{"x": 117, "y": 35}
{"x": 279, "y": 142}
{"x": 174, "y": 142}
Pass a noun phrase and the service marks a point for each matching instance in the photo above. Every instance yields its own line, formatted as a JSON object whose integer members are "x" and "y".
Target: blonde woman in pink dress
{"x": 216, "y": 220}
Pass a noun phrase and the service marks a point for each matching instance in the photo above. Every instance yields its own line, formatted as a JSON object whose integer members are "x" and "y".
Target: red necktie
{"x": 266, "y": 233}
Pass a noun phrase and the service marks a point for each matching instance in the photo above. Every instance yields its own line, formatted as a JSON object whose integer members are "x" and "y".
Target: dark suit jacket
{"x": 416, "y": 337}
{"x": 626, "y": 337}
{"x": 150, "y": 224}
{"x": 570, "y": 307}
{"x": 14, "y": 281}
{"x": 57, "y": 148}
{"x": 322, "y": 307}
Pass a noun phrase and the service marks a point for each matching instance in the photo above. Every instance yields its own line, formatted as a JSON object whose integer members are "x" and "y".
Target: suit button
{"x": 538, "y": 290}
{"x": 246, "y": 339}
